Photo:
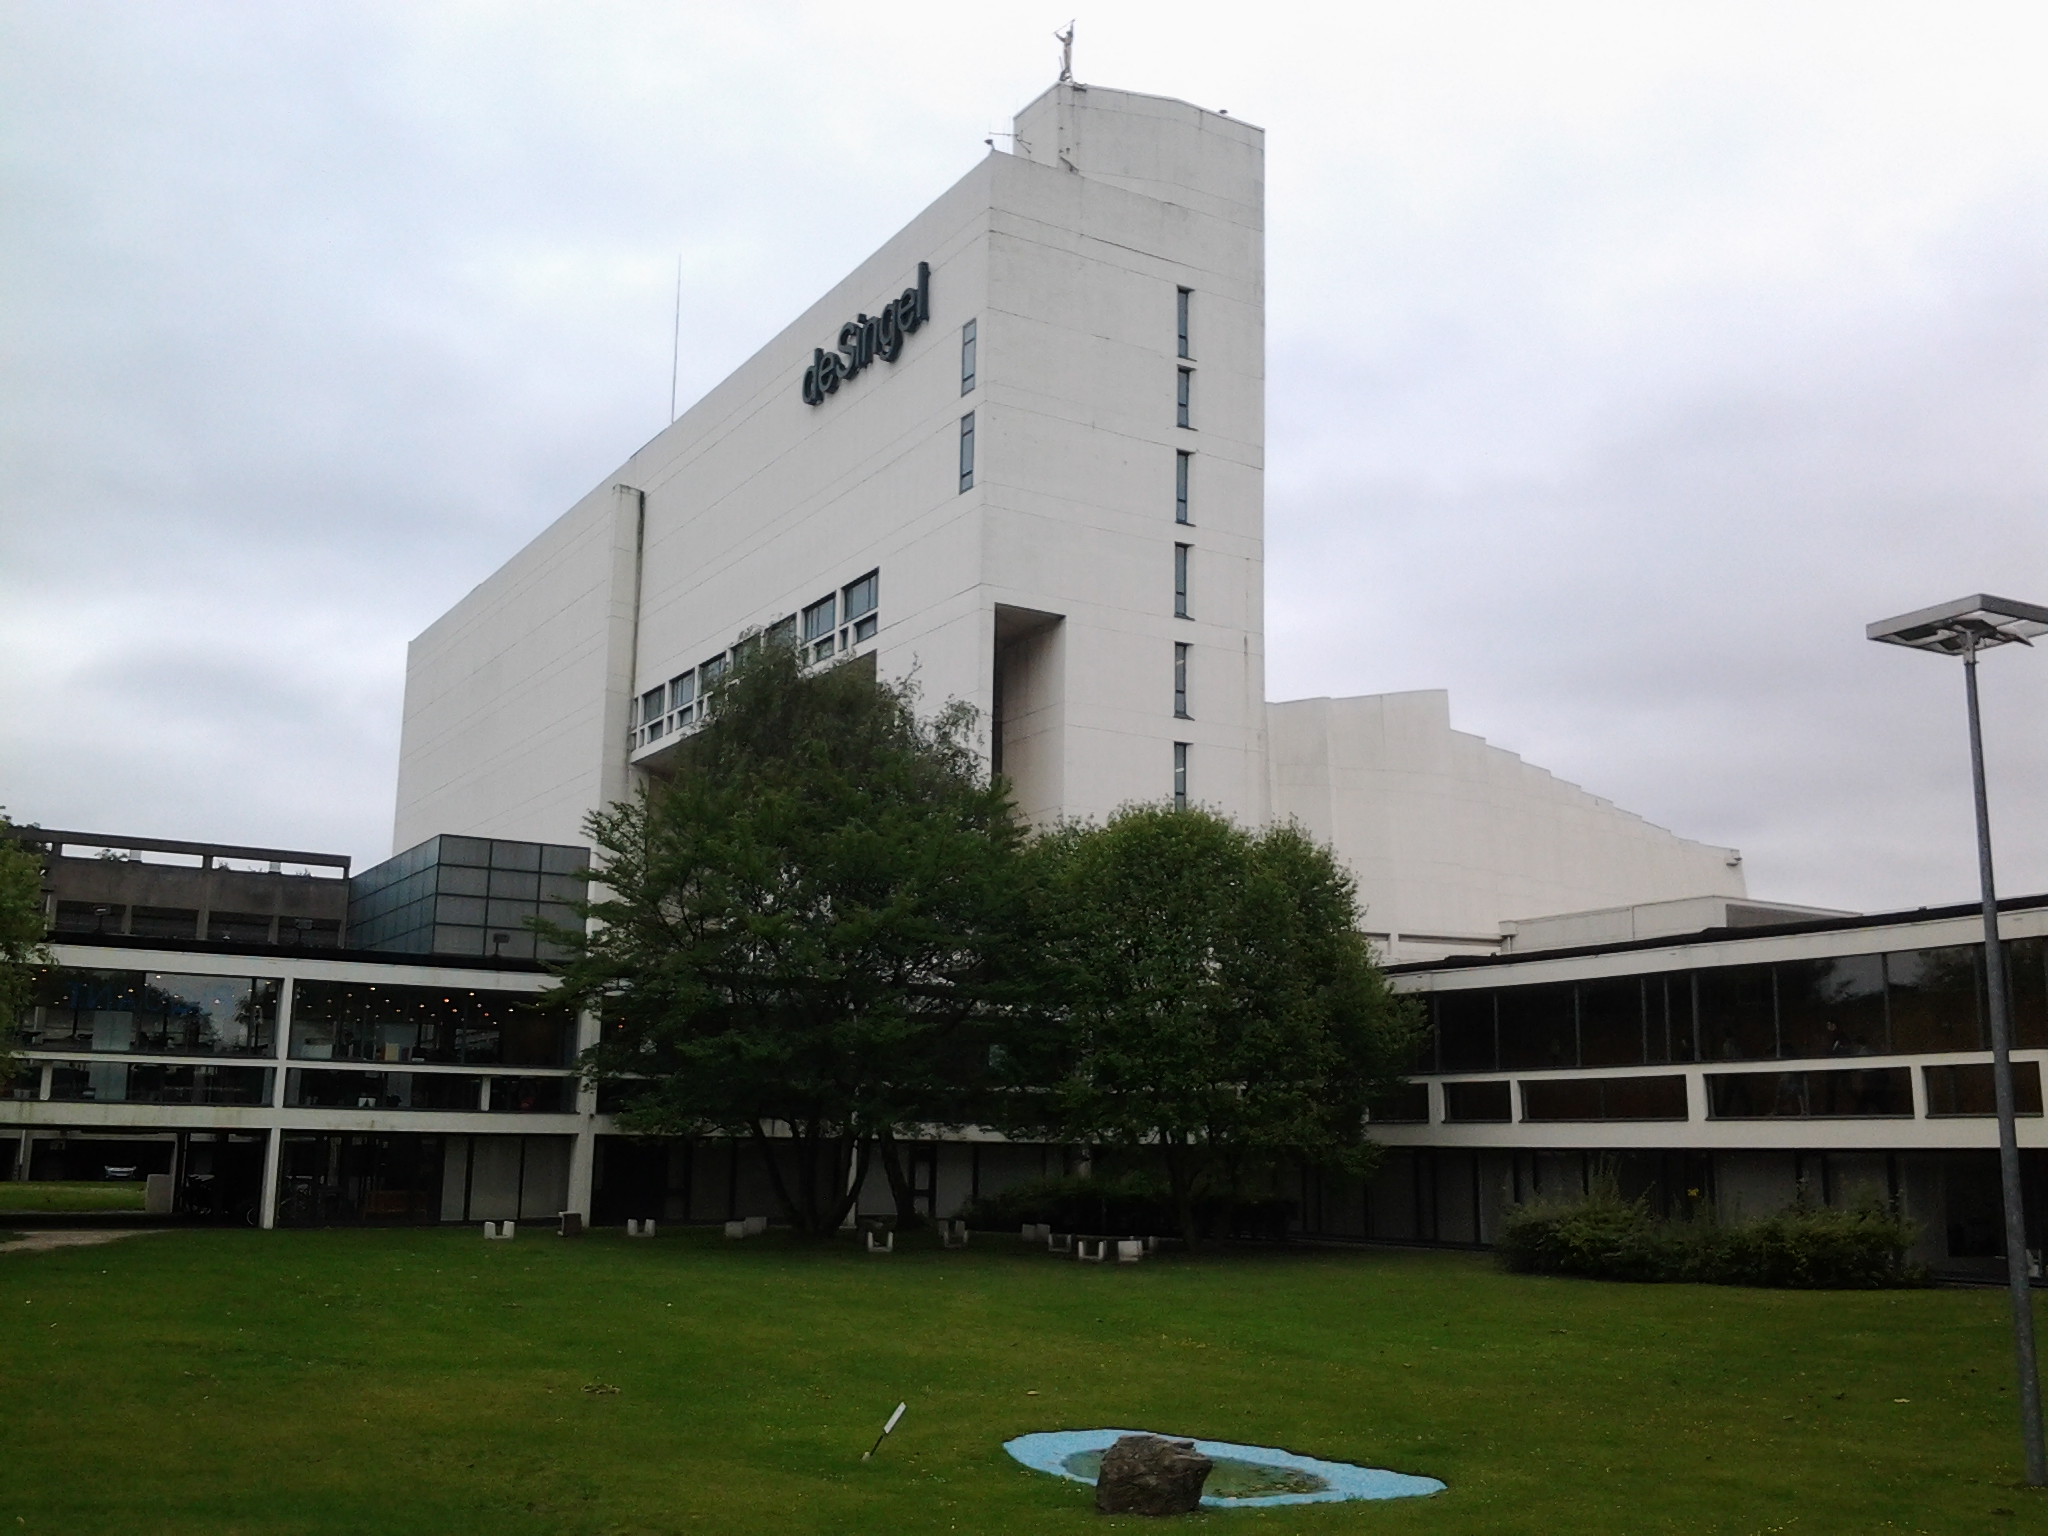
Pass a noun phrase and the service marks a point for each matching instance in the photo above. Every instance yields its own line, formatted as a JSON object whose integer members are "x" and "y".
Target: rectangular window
{"x": 862, "y": 599}
{"x": 1611, "y": 1023}
{"x": 1480, "y": 1102}
{"x": 682, "y": 697}
{"x": 710, "y": 675}
{"x": 1180, "y": 580}
{"x": 967, "y": 452}
{"x": 1610, "y": 1098}
{"x": 782, "y": 631}
{"x": 820, "y": 620}
{"x": 967, "y": 357}
{"x": 1186, "y": 296}
{"x": 651, "y": 711}
{"x": 1538, "y": 1027}
{"x": 1738, "y": 1016}
{"x": 1407, "y": 1104}
{"x": 1832, "y": 1007}
{"x": 1465, "y": 1033}
{"x": 150, "y": 1012}
{"x": 1180, "y": 486}
{"x": 1967, "y": 1090}
{"x": 1180, "y": 775}
{"x": 1180, "y": 682}
{"x": 1878, "y": 1092}
{"x": 1187, "y": 386}
{"x": 1932, "y": 996}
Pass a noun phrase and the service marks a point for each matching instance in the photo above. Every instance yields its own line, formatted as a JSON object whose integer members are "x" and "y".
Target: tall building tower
{"x": 1017, "y": 453}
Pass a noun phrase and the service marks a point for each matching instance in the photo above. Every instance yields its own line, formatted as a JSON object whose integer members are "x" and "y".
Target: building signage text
{"x": 867, "y": 337}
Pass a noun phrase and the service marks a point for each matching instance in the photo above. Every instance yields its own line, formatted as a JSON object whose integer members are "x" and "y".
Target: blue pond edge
{"x": 1048, "y": 1450}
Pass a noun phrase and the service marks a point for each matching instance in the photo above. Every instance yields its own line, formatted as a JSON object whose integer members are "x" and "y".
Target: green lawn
{"x": 112, "y": 1195}
{"x": 428, "y": 1381}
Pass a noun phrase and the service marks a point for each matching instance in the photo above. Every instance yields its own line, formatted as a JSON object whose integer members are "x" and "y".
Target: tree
{"x": 22, "y": 949}
{"x": 802, "y": 931}
{"x": 1216, "y": 1004}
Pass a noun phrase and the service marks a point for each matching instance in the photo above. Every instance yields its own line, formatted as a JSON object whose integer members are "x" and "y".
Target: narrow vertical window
{"x": 1180, "y": 579}
{"x": 1180, "y": 486}
{"x": 859, "y": 602}
{"x": 1180, "y": 681}
{"x": 1187, "y": 386}
{"x": 967, "y": 357}
{"x": 1185, "y": 295}
{"x": 1180, "y": 775}
{"x": 967, "y": 452}
{"x": 820, "y": 620}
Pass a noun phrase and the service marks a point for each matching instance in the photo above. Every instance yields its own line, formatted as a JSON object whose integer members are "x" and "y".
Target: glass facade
{"x": 1898, "y": 1003}
{"x": 151, "y": 1012}
{"x": 455, "y": 895}
{"x": 150, "y": 1082}
{"x": 361, "y": 1021}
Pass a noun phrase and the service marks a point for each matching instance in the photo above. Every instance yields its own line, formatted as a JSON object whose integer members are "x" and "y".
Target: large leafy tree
{"x": 1216, "y": 1006}
{"x": 800, "y": 934}
{"x": 22, "y": 949}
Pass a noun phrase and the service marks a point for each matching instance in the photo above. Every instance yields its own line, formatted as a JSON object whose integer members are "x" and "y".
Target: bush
{"x": 1607, "y": 1238}
{"x": 1127, "y": 1205}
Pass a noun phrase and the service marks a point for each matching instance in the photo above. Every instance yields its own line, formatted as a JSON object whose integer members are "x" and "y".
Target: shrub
{"x": 1604, "y": 1237}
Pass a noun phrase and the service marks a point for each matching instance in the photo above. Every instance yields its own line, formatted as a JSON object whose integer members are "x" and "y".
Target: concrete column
{"x": 273, "y": 1156}
{"x": 281, "y": 1051}
{"x": 583, "y": 1155}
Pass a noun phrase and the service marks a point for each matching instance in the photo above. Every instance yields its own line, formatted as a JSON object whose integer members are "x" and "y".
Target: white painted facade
{"x": 1452, "y": 839}
{"x": 1045, "y": 593}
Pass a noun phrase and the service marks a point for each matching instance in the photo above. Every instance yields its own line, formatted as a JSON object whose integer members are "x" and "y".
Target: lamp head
{"x": 1967, "y": 624}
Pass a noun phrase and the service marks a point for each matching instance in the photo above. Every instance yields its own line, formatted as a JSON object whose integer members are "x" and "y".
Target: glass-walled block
{"x": 152, "y": 1082}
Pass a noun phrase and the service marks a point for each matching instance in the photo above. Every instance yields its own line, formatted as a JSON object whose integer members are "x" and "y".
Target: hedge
{"x": 1802, "y": 1247}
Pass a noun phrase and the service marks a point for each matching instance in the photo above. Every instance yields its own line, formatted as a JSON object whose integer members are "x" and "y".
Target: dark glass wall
{"x": 1902, "y": 1002}
{"x": 361, "y": 1021}
{"x": 138, "y": 1012}
{"x": 455, "y": 895}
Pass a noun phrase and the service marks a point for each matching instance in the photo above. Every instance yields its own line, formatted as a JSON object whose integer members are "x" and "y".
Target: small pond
{"x": 1246, "y": 1476}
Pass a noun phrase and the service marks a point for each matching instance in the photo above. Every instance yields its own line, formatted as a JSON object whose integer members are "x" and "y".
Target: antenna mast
{"x": 675, "y": 356}
{"x": 1066, "y": 40}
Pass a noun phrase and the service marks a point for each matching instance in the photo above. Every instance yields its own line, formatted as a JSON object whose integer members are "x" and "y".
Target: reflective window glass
{"x": 1478, "y": 1102}
{"x": 1464, "y": 1029}
{"x": 1611, "y": 1022}
{"x": 151, "y": 1011}
{"x": 1933, "y": 996}
{"x": 1967, "y": 1089}
{"x": 1538, "y": 1027}
{"x": 1832, "y": 1007}
{"x": 1737, "y": 1020}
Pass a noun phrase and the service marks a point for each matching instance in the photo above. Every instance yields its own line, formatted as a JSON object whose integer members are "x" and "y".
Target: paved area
{"x": 41, "y": 1242}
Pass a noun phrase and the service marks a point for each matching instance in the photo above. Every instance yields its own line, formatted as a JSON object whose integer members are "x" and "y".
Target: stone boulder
{"x": 1151, "y": 1475}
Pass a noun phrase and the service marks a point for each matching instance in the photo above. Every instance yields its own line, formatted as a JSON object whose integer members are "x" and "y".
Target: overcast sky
{"x": 1622, "y": 363}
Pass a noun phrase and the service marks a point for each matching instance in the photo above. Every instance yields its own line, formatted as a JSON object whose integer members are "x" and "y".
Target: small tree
{"x": 801, "y": 931}
{"x": 1214, "y": 1001}
{"x": 22, "y": 948}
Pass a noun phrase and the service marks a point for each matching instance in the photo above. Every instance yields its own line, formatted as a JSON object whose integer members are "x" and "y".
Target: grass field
{"x": 427, "y": 1381}
{"x": 90, "y": 1196}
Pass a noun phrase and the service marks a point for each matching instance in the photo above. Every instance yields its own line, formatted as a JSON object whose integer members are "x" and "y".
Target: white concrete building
{"x": 1037, "y": 483}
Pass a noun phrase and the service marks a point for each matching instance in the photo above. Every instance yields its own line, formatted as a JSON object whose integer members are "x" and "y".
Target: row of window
{"x": 836, "y": 622}
{"x": 1857, "y": 1093}
{"x": 1904, "y": 1002}
{"x": 155, "y": 1012}
{"x": 1183, "y": 554}
{"x": 116, "y": 1082}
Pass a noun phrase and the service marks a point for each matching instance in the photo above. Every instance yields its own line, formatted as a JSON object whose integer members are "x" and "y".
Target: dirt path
{"x": 41, "y": 1242}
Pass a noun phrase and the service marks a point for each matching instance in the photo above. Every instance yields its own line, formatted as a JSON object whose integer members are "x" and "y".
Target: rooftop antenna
{"x": 1066, "y": 53}
{"x": 675, "y": 355}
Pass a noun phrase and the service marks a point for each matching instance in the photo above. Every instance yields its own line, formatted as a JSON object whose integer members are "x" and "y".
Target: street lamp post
{"x": 1963, "y": 628}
